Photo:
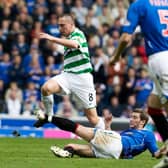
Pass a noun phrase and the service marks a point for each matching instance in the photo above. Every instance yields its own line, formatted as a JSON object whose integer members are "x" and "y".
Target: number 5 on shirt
{"x": 163, "y": 15}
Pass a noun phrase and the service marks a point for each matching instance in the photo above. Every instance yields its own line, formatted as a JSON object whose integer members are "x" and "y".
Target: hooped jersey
{"x": 77, "y": 60}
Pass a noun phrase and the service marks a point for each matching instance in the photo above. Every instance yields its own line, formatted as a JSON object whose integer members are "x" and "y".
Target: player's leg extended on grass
{"x": 78, "y": 149}
{"x": 155, "y": 111}
{"x": 81, "y": 150}
{"x": 84, "y": 132}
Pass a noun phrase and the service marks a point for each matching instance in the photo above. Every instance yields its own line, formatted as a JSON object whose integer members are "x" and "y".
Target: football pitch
{"x": 34, "y": 153}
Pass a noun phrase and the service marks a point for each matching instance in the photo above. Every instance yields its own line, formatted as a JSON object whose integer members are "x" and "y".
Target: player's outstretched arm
{"x": 65, "y": 42}
{"x": 161, "y": 152}
{"x": 125, "y": 39}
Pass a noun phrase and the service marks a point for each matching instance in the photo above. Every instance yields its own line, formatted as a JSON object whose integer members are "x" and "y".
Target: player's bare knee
{"x": 149, "y": 101}
{"x": 45, "y": 89}
{"x": 93, "y": 120}
{"x": 154, "y": 101}
{"x": 92, "y": 115}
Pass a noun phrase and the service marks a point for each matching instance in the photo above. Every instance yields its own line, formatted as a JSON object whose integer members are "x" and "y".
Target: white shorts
{"x": 158, "y": 64}
{"x": 81, "y": 85}
{"x": 106, "y": 144}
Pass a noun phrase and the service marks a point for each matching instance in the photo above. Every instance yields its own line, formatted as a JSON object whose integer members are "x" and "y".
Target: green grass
{"x": 35, "y": 153}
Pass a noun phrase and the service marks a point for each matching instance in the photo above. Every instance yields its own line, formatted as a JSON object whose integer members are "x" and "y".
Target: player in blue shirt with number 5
{"x": 152, "y": 17}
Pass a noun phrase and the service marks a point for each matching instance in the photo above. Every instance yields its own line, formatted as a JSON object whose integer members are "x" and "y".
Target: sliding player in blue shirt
{"x": 152, "y": 17}
{"x": 107, "y": 143}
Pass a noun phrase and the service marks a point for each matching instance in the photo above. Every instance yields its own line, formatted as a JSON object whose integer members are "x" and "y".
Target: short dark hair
{"x": 67, "y": 16}
{"x": 143, "y": 115}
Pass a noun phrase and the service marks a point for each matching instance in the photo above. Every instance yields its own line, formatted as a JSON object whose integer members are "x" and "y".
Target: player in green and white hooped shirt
{"x": 76, "y": 77}
{"x": 77, "y": 60}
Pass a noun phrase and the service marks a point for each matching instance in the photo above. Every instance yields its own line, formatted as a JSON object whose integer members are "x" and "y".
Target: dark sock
{"x": 70, "y": 150}
{"x": 64, "y": 124}
{"x": 160, "y": 122}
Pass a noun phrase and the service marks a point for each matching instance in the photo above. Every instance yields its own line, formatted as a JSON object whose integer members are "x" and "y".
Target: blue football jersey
{"x": 137, "y": 141}
{"x": 152, "y": 16}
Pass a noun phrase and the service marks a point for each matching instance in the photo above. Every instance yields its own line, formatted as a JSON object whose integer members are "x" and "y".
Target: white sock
{"x": 50, "y": 118}
{"x": 48, "y": 102}
{"x": 100, "y": 123}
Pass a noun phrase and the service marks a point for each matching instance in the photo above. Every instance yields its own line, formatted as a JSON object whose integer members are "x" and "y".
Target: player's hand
{"x": 162, "y": 151}
{"x": 108, "y": 120}
{"x": 45, "y": 36}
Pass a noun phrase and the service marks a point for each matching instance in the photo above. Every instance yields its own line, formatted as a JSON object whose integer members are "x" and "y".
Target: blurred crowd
{"x": 26, "y": 63}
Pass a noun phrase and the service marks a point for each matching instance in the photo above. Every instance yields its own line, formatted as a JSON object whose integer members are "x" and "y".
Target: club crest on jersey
{"x": 129, "y": 133}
